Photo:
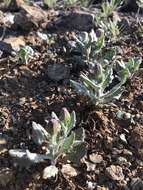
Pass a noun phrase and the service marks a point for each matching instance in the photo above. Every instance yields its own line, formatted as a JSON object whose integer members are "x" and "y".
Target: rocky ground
{"x": 30, "y": 92}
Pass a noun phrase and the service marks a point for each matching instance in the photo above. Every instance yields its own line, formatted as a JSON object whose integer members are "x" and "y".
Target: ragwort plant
{"x": 58, "y": 139}
{"x": 103, "y": 20}
{"x": 25, "y": 53}
{"x": 88, "y": 46}
{"x": 95, "y": 86}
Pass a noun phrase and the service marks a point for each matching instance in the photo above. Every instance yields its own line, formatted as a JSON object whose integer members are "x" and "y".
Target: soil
{"x": 27, "y": 94}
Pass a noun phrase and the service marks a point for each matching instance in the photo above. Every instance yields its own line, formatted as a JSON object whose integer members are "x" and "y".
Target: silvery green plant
{"x": 25, "y": 53}
{"x": 59, "y": 138}
{"x": 109, "y": 6}
{"x": 131, "y": 67}
{"x": 111, "y": 29}
{"x": 95, "y": 86}
{"x": 89, "y": 45}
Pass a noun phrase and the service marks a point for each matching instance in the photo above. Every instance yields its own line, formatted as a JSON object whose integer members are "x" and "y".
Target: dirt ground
{"x": 28, "y": 94}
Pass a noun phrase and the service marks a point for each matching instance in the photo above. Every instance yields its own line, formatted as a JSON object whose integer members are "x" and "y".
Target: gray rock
{"x": 73, "y": 20}
{"x": 123, "y": 161}
{"x": 57, "y": 72}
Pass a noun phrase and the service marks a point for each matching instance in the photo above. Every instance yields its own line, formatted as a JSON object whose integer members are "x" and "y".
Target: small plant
{"x": 111, "y": 28}
{"x": 89, "y": 45}
{"x": 25, "y": 53}
{"x": 108, "y": 7}
{"x": 57, "y": 139}
{"x": 108, "y": 20}
{"x": 95, "y": 86}
{"x": 131, "y": 66}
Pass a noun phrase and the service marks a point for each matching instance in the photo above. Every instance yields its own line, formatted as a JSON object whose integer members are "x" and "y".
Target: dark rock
{"x": 73, "y": 20}
{"x": 57, "y": 72}
{"x": 5, "y": 47}
{"x": 130, "y": 6}
{"x": 29, "y": 17}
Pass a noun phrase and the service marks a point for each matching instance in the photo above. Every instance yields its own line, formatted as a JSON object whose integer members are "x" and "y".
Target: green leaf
{"x": 56, "y": 129}
{"x": 72, "y": 121}
{"x": 80, "y": 88}
{"x": 77, "y": 153}
{"x": 89, "y": 82}
{"x": 65, "y": 117}
{"x": 109, "y": 54}
{"x": 25, "y": 158}
{"x": 79, "y": 135}
{"x": 108, "y": 77}
{"x": 100, "y": 42}
{"x": 50, "y": 3}
{"x": 68, "y": 142}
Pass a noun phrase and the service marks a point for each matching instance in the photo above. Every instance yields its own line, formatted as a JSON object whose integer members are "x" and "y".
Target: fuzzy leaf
{"x": 72, "y": 121}
{"x": 39, "y": 134}
{"x": 56, "y": 127}
{"x": 65, "y": 117}
{"x": 81, "y": 89}
{"x": 107, "y": 78}
{"x": 25, "y": 158}
{"x": 89, "y": 82}
{"x": 54, "y": 116}
{"x": 68, "y": 142}
{"x": 79, "y": 135}
{"x": 77, "y": 153}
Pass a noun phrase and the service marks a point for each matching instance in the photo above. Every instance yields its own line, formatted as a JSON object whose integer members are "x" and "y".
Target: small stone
{"x": 122, "y": 161}
{"x": 95, "y": 158}
{"x": 90, "y": 166}
{"x": 127, "y": 116}
{"x": 127, "y": 152}
{"x": 15, "y": 42}
{"x": 6, "y": 176}
{"x": 73, "y": 20}
{"x": 123, "y": 138}
{"x": 29, "y": 17}
{"x": 69, "y": 171}
{"x": 57, "y": 72}
{"x": 3, "y": 145}
{"x": 115, "y": 173}
{"x": 91, "y": 185}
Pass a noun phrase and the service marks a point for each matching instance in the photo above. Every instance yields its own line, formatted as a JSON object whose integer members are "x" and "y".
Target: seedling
{"x": 131, "y": 67}
{"x": 59, "y": 138}
{"x": 94, "y": 87}
{"x": 25, "y": 53}
{"x": 89, "y": 45}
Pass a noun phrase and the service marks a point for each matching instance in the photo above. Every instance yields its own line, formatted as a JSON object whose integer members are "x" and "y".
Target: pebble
{"x": 115, "y": 173}
{"x": 127, "y": 152}
{"x": 96, "y": 158}
{"x": 122, "y": 161}
{"x": 69, "y": 171}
